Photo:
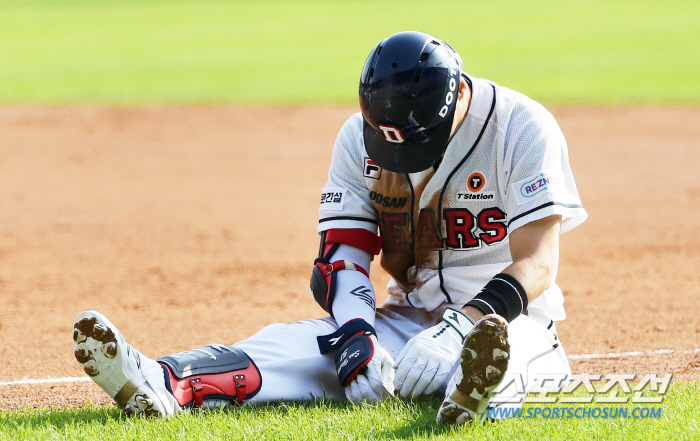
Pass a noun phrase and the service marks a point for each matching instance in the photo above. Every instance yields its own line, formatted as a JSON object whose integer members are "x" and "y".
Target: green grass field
{"x": 393, "y": 419}
{"x": 173, "y": 52}
{"x": 311, "y": 51}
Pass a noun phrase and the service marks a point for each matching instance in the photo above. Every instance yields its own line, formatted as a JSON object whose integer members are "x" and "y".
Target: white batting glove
{"x": 428, "y": 358}
{"x": 375, "y": 383}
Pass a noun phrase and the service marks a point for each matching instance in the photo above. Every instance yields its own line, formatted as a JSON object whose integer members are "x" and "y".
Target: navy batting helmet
{"x": 408, "y": 95}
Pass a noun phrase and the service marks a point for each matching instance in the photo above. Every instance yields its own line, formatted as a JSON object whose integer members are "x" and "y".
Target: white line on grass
{"x": 570, "y": 357}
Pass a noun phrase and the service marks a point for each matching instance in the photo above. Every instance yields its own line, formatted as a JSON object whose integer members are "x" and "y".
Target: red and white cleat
{"x": 136, "y": 382}
{"x": 485, "y": 356}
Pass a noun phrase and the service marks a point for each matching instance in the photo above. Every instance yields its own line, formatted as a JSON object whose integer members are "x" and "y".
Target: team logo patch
{"x": 475, "y": 184}
{"x": 392, "y": 134}
{"x": 332, "y": 199}
{"x": 371, "y": 170}
{"x": 545, "y": 182}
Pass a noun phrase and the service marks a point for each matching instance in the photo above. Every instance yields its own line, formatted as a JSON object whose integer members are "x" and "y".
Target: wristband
{"x": 327, "y": 343}
{"x": 353, "y": 357}
{"x": 503, "y": 295}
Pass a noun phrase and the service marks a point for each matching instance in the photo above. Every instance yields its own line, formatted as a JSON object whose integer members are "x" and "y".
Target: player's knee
{"x": 211, "y": 376}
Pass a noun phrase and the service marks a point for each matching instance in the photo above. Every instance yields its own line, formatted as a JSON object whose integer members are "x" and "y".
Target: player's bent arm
{"x": 342, "y": 250}
{"x": 364, "y": 368}
{"x": 354, "y": 294}
{"x": 534, "y": 248}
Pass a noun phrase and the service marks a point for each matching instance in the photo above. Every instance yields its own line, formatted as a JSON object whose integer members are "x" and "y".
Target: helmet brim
{"x": 407, "y": 157}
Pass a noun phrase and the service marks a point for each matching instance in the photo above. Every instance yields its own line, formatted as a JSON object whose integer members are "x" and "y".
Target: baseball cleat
{"x": 136, "y": 382}
{"x": 485, "y": 356}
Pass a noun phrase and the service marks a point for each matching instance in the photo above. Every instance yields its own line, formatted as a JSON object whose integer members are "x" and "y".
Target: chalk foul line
{"x": 630, "y": 354}
{"x": 47, "y": 380}
{"x": 570, "y": 357}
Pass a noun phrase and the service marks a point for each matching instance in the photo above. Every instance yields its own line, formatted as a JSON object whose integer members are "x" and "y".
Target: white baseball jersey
{"x": 506, "y": 165}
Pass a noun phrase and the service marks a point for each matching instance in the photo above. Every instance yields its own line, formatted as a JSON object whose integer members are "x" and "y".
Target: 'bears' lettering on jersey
{"x": 387, "y": 201}
{"x": 428, "y": 232}
{"x": 396, "y": 232}
{"x": 461, "y": 227}
{"x": 492, "y": 221}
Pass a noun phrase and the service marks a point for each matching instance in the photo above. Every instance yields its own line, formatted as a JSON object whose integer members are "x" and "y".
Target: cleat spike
{"x": 78, "y": 337}
{"x": 98, "y": 331}
{"x": 90, "y": 368}
{"x": 152, "y": 413}
{"x": 492, "y": 373}
{"x": 109, "y": 349}
{"x": 130, "y": 410}
{"x": 82, "y": 354}
{"x": 499, "y": 354}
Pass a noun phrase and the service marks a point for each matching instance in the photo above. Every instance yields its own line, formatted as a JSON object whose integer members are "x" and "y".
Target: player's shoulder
{"x": 523, "y": 108}
{"x": 352, "y": 126}
{"x": 511, "y": 105}
{"x": 350, "y": 140}
{"x": 350, "y": 134}
{"x": 518, "y": 115}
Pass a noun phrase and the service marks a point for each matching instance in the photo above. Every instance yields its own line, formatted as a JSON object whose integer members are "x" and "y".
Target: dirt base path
{"x": 188, "y": 226}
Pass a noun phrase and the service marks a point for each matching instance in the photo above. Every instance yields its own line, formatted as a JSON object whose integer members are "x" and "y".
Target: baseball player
{"x": 469, "y": 186}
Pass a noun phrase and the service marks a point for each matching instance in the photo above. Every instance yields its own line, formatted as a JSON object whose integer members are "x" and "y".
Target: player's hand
{"x": 428, "y": 358}
{"x": 373, "y": 381}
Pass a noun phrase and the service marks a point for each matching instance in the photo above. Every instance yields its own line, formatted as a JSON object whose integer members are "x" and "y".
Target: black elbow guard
{"x": 321, "y": 286}
{"x": 323, "y": 280}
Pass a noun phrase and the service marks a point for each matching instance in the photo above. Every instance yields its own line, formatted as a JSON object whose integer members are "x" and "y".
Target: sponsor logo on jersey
{"x": 332, "y": 199}
{"x": 475, "y": 197}
{"x": 371, "y": 170}
{"x": 476, "y": 183}
{"x": 387, "y": 201}
{"x": 543, "y": 183}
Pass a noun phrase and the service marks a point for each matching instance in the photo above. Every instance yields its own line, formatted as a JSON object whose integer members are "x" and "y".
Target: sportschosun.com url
{"x": 574, "y": 412}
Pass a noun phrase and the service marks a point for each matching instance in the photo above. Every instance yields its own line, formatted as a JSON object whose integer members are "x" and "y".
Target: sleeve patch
{"x": 332, "y": 199}
{"x": 534, "y": 187}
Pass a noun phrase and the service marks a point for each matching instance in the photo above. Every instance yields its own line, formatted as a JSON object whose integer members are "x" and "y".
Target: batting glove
{"x": 373, "y": 380}
{"x": 428, "y": 358}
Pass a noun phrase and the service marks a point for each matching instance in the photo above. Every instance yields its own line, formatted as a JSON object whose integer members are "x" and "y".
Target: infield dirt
{"x": 189, "y": 226}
